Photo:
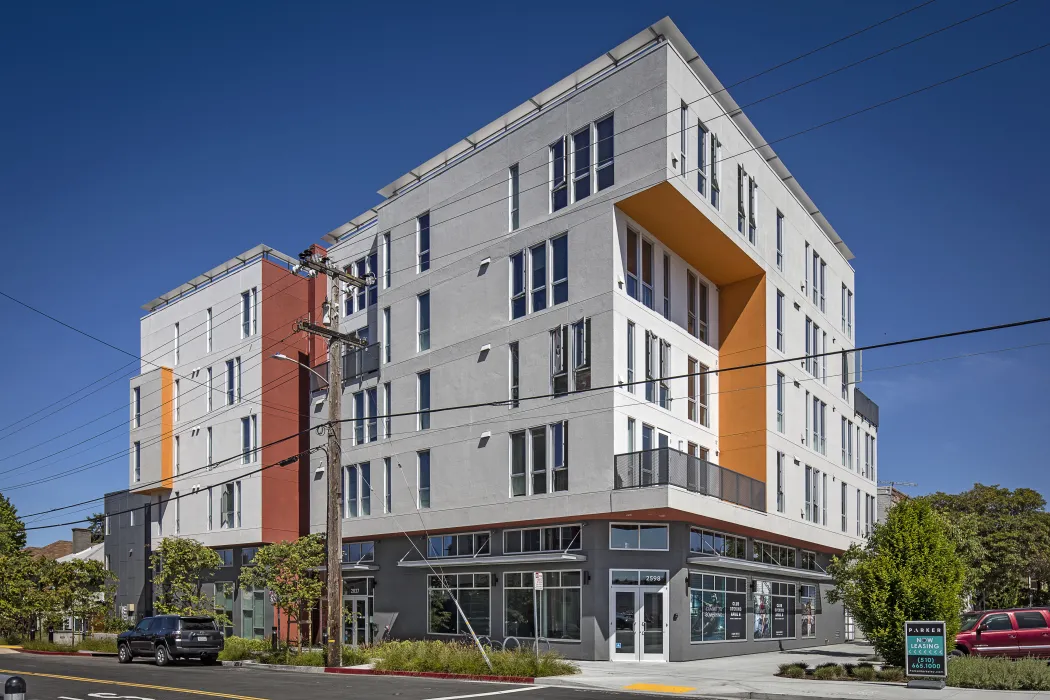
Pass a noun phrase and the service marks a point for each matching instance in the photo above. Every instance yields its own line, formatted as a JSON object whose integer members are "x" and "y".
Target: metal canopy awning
{"x": 545, "y": 557}
{"x": 348, "y": 568}
{"x": 757, "y": 567}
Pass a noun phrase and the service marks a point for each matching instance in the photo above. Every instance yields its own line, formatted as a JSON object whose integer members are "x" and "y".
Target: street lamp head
{"x": 280, "y": 356}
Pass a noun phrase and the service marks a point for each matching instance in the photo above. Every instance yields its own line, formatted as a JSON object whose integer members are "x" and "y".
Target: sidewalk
{"x": 752, "y": 676}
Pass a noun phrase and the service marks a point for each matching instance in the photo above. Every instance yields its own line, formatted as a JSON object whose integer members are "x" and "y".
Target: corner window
{"x": 637, "y": 536}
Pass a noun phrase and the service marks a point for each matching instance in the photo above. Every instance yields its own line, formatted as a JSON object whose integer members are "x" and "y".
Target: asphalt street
{"x": 102, "y": 678}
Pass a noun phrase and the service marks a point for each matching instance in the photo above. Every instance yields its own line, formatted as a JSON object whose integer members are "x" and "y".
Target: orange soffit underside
{"x": 670, "y": 216}
{"x": 167, "y": 426}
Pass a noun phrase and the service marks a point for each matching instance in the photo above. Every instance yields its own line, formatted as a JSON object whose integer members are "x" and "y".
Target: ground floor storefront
{"x": 598, "y": 591}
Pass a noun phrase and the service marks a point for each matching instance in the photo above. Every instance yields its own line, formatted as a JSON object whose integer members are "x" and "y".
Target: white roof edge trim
{"x": 211, "y": 275}
{"x": 609, "y": 59}
{"x": 692, "y": 58}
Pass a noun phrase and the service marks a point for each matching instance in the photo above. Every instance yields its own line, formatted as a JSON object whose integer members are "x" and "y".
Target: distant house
{"x": 55, "y": 550}
{"x": 888, "y": 496}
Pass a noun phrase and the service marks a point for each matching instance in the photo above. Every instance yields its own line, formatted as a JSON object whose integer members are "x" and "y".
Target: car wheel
{"x": 208, "y": 659}
{"x": 162, "y": 656}
{"x": 124, "y": 654}
{"x": 957, "y": 653}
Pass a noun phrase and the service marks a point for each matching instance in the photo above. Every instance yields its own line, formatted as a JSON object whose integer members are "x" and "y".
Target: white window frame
{"x": 780, "y": 321}
{"x": 423, "y": 413}
{"x": 423, "y": 334}
{"x": 387, "y": 486}
{"x": 631, "y": 352}
{"x": 209, "y": 447}
{"x": 781, "y": 497}
{"x": 513, "y": 197}
{"x": 553, "y": 187}
{"x": 780, "y": 241}
{"x": 178, "y": 338}
{"x": 752, "y": 210}
{"x": 589, "y": 174}
{"x": 781, "y": 402}
{"x": 210, "y": 389}
{"x": 176, "y": 448}
{"x": 136, "y": 461}
{"x": 430, "y": 479}
{"x": 208, "y": 330}
{"x": 387, "y": 410}
{"x": 175, "y": 400}
{"x": 386, "y": 335}
{"x": 386, "y": 260}
{"x": 136, "y": 407}
{"x": 701, "y": 165}
{"x": 423, "y": 254}
{"x": 550, "y": 459}
{"x": 716, "y": 171}
{"x": 249, "y": 430}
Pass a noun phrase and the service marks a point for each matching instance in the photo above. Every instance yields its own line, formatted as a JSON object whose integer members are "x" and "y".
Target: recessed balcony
{"x": 665, "y": 466}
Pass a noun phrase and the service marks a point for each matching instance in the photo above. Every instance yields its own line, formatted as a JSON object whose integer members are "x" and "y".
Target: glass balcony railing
{"x": 668, "y": 467}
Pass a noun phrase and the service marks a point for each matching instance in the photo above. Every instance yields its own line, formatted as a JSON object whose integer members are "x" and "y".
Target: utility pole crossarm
{"x": 321, "y": 266}
{"x": 348, "y": 338}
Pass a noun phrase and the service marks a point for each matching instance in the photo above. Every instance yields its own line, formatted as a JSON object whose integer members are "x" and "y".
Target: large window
{"x": 357, "y": 490}
{"x": 717, "y": 608}
{"x": 471, "y": 591}
{"x": 637, "y": 536}
{"x": 717, "y": 544}
{"x": 580, "y": 337}
{"x": 774, "y": 607}
{"x": 559, "y": 605}
{"x": 249, "y": 300}
{"x": 539, "y": 276}
{"x": 233, "y": 381}
{"x": 775, "y": 554}
{"x": 464, "y": 544}
{"x": 423, "y": 242}
{"x": 604, "y": 136}
{"x": 230, "y": 505}
{"x": 559, "y": 197}
{"x": 810, "y": 598}
{"x": 555, "y": 538}
{"x": 539, "y": 460}
{"x": 581, "y": 164}
{"x": 581, "y": 354}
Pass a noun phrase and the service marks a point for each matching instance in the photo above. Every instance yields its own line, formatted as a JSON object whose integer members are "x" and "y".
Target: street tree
{"x": 97, "y": 526}
{"x": 1013, "y": 532}
{"x": 907, "y": 570}
{"x": 12, "y": 529}
{"x": 181, "y": 566}
{"x": 291, "y": 571}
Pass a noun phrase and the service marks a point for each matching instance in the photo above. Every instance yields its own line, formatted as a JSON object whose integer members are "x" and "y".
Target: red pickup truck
{"x": 1015, "y": 633}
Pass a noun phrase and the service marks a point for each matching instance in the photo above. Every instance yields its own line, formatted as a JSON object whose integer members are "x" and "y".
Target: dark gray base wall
{"x": 403, "y": 591}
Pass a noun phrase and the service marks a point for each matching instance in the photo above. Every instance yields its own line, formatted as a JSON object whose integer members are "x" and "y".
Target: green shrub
{"x": 891, "y": 674}
{"x": 864, "y": 672}
{"x": 356, "y": 656}
{"x": 793, "y": 671}
{"x": 783, "y": 668}
{"x": 998, "y": 674}
{"x": 828, "y": 672}
{"x": 98, "y": 644}
{"x": 453, "y": 657}
{"x": 240, "y": 649}
{"x": 11, "y": 640}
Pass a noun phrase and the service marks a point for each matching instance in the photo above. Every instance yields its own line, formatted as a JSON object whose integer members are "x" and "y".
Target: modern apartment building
{"x": 211, "y": 408}
{"x": 613, "y": 276}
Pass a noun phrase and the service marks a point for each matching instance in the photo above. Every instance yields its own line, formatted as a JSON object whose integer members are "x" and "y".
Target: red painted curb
{"x": 430, "y": 674}
{"x": 64, "y": 653}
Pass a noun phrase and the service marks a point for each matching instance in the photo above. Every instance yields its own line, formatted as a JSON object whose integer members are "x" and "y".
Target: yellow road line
{"x": 131, "y": 685}
{"x": 657, "y": 688}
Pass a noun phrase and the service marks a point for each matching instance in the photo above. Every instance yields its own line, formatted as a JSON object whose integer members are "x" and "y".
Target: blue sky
{"x": 144, "y": 143}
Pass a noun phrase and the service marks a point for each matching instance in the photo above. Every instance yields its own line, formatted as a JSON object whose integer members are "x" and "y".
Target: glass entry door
{"x": 357, "y": 627}
{"x": 638, "y": 623}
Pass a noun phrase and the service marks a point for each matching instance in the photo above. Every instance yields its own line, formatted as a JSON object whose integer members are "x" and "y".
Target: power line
{"x": 501, "y": 402}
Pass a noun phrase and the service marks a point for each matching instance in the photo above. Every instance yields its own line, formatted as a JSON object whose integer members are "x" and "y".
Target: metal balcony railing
{"x": 668, "y": 467}
{"x": 356, "y": 364}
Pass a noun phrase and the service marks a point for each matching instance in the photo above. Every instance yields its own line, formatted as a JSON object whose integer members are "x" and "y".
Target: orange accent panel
{"x": 670, "y": 216}
{"x": 167, "y": 426}
{"x": 742, "y": 393}
{"x": 674, "y": 219}
{"x": 285, "y": 404}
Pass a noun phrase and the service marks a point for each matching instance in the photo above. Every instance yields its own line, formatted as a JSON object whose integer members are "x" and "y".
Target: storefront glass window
{"x": 774, "y": 610}
{"x": 717, "y": 608}
{"x": 559, "y": 605}
{"x": 810, "y": 598}
{"x": 472, "y": 592}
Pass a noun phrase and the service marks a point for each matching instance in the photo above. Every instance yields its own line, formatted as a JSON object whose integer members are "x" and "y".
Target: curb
{"x": 431, "y": 674}
{"x": 524, "y": 680}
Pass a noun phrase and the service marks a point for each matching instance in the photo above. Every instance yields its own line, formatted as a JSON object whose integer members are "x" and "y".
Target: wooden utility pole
{"x": 334, "y": 518}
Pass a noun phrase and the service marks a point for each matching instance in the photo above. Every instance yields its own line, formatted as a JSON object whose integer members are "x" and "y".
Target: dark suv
{"x": 167, "y": 637}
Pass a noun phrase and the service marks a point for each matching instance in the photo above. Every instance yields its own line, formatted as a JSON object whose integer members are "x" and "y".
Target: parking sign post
{"x": 925, "y": 654}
